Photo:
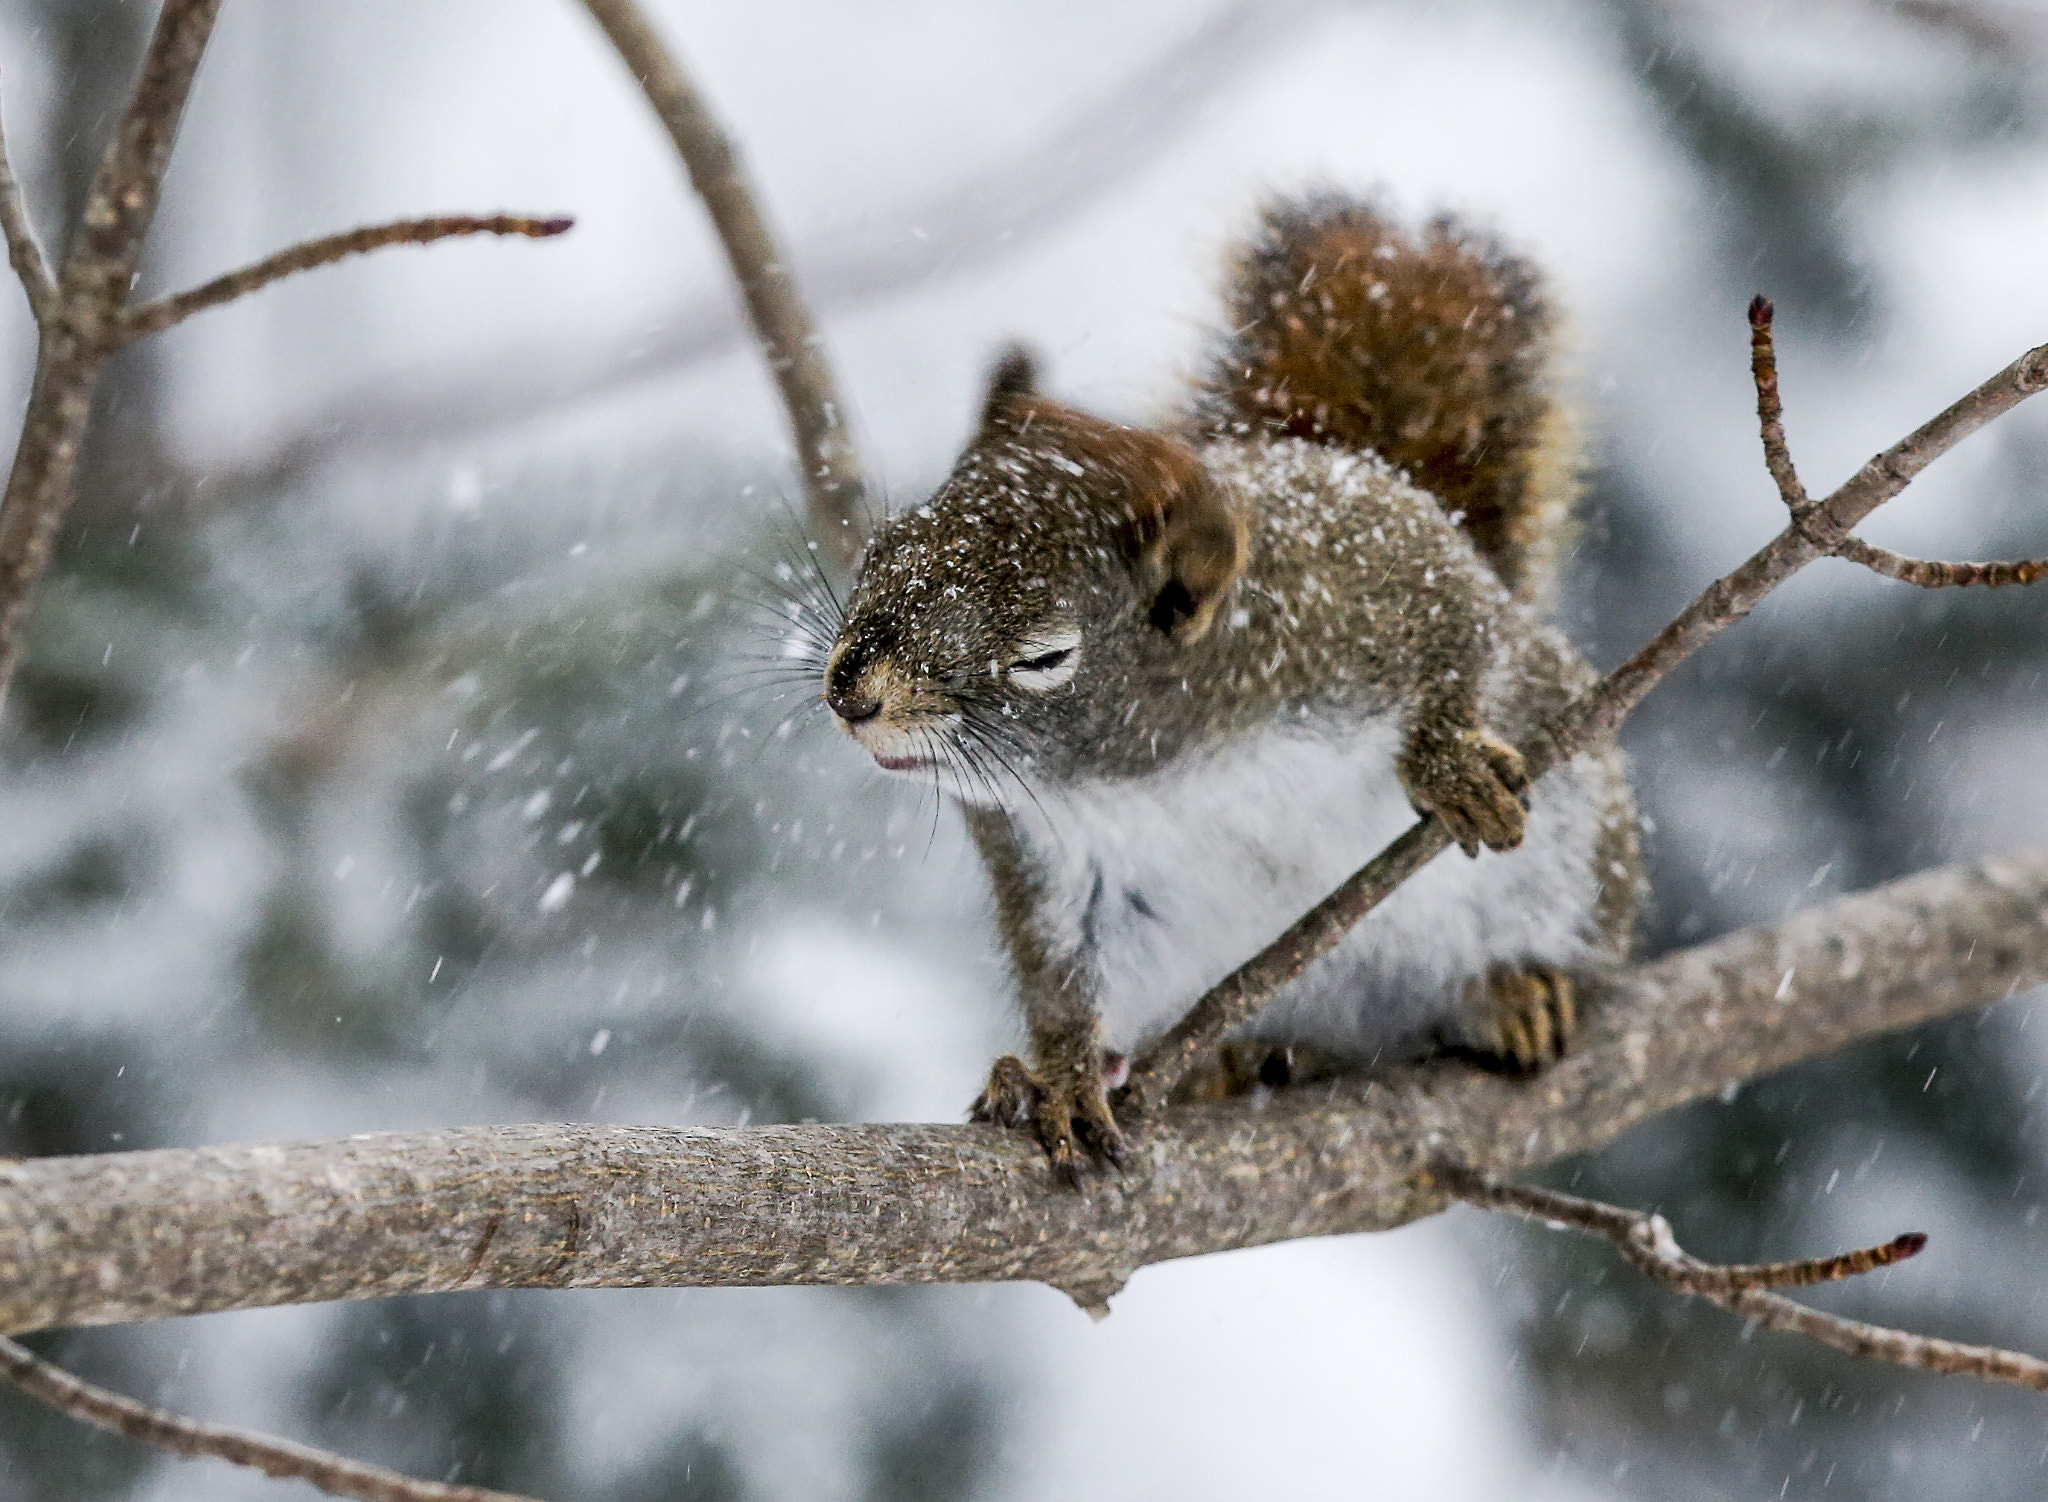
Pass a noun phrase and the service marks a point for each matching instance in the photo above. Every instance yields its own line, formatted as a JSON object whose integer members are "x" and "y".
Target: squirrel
{"x": 1182, "y": 681}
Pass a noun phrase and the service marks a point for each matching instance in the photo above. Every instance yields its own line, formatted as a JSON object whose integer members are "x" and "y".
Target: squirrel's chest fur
{"x": 1163, "y": 884}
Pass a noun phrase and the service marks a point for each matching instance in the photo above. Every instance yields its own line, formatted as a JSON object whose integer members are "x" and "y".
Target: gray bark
{"x": 96, "y": 1240}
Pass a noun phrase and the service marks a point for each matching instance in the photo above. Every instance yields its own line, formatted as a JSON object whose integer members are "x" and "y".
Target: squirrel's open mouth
{"x": 902, "y": 763}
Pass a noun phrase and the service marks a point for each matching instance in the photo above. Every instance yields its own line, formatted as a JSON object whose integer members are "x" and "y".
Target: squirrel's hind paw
{"x": 1073, "y": 1121}
{"x": 1474, "y": 782}
{"x": 1518, "y": 1021}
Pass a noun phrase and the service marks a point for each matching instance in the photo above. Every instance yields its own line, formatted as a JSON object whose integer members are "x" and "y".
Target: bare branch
{"x": 1816, "y": 531}
{"x": 796, "y": 356}
{"x": 188, "y": 1437}
{"x": 1770, "y": 412}
{"x": 1930, "y": 573}
{"x": 23, "y": 253}
{"x": 1646, "y": 1240}
{"x": 1856, "y": 1338}
{"x": 997, "y": 209}
{"x": 1925, "y": 572}
{"x": 86, "y": 315}
{"x": 154, "y": 317}
{"x": 124, "y": 1236}
{"x": 92, "y": 288}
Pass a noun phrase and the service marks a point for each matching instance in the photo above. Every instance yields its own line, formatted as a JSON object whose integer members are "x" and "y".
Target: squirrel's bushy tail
{"x": 1434, "y": 350}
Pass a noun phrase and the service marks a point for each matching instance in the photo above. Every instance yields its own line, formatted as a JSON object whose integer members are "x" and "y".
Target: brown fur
{"x": 1431, "y": 350}
{"x": 1235, "y": 576}
{"x": 1182, "y": 535}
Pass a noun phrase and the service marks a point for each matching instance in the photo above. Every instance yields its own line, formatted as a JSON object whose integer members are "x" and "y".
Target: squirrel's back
{"x": 1433, "y": 350}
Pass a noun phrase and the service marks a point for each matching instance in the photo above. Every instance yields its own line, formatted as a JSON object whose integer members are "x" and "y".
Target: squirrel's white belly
{"x": 1167, "y": 883}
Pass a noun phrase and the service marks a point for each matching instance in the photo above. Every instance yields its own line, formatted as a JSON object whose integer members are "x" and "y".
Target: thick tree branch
{"x": 178, "y": 1435}
{"x": 156, "y": 316}
{"x": 1817, "y": 530}
{"x": 23, "y": 253}
{"x": 796, "y": 355}
{"x": 1646, "y": 1240}
{"x": 96, "y": 1240}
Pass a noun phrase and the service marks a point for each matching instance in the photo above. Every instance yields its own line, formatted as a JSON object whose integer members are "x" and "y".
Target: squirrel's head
{"x": 989, "y": 627}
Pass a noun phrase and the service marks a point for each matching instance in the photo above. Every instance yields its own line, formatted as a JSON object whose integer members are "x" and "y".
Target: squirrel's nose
{"x": 850, "y": 707}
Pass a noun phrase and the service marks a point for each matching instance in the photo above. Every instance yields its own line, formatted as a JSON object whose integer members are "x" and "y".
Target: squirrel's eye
{"x": 1046, "y": 661}
{"x": 1042, "y": 664}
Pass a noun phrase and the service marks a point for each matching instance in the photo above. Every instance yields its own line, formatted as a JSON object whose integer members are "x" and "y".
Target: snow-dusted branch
{"x": 790, "y": 342}
{"x": 1817, "y": 530}
{"x": 115, "y": 1237}
{"x": 1646, "y": 1240}
{"x": 125, "y": 1236}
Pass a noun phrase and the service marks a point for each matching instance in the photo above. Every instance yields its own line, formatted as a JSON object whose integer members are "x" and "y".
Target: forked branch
{"x": 83, "y": 316}
{"x": 1928, "y": 573}
{"x": 1646, "y": 1240}
{"x": 23, "y": 253}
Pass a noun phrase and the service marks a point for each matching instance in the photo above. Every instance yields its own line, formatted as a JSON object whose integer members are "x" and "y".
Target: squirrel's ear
{"x": 1013, "y": 378}
{"x": 1188, "y": 545}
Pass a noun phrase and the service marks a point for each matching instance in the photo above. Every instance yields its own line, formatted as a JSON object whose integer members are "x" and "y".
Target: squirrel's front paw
{"x": 1471, "y": 780}
{"x": 1068, "y": 1112}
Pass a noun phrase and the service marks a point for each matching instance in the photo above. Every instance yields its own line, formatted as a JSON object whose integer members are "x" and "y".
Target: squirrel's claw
{"x": 1474, "y": 782}
{"x": 1011, "y": 1096}
{"x": 1521, "y": 1020}
{"x": 1073, "y": 1123}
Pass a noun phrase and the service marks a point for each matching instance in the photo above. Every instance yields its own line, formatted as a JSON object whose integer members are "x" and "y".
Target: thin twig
{"x": 1770, "y": 412}
{"x": 1818, "y": 530}
{"x": 1933, "y": 573}
{"x": 795, "y": 353}
{"x": 172, "y": 1432}
{"x": 23, "y": 253}
{"x": 154, "y": 317}
{"x": 1646, "y": 1240}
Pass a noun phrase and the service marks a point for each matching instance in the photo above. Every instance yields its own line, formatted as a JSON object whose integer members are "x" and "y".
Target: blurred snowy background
{"x": 370, "y": 770}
